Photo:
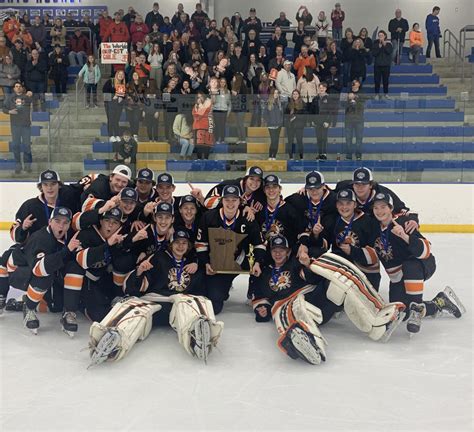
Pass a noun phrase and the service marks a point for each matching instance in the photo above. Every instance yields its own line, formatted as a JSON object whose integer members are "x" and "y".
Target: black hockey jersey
{"x": 213, "y": 198}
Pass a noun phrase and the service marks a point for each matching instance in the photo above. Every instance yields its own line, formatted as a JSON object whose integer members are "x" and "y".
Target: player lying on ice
{"x": 164, "y": 288}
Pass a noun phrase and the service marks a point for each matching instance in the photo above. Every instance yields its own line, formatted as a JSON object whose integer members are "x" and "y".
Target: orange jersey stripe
{"x": 39, "y": 270}
{"x": 370, "y": 255}
{"x": 81, "y": 258}
{"x": 414, "y": 286}
{"x": 119, "y": 278}
{"x": 212, "y": 202}
{"x": 73, "y": 282}
{"x": 3, "y": 272}
{"x": 34, "y": 295}
{"x": 76, "y": 226}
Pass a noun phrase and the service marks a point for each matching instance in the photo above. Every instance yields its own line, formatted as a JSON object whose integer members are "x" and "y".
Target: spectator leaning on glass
{"x": 416, "y": 43}
{"x": 18, "y": 105}
{"x": 398, "y": 28}
{"x": 433, "y": 32}
{"x": 382, "y": 53}
{"x": 354, "y": 121}
{"x": 337, "y": 18}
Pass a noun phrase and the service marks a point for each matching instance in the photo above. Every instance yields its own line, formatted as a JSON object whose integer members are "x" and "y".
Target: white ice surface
{"x": 422, "y": 383}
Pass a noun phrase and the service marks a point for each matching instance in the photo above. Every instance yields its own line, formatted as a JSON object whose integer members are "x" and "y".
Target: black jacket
{"x": 382, "y": 54}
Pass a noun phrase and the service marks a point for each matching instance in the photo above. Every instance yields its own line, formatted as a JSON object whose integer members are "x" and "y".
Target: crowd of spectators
{"x": 207, "y": 70}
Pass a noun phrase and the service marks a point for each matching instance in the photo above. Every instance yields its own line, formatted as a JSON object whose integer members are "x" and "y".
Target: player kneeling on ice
{"x": 280, "y": 293}
{"x": 165, "y": 288}
{"x": 408, "y": 261}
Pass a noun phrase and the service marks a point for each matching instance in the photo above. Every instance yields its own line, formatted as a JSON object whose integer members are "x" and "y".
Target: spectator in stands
{"x": 38, "y": 32}
{"x": 239, "y": 106}
{"x": 25, "y": 19}
{"x": 286, "y": 81}
{"x": 308, "y": 86}
{"x": 382, "y": 53}
{"x": 130, "y": 66}
{"x": 277, "y": 61}
{"x": 367, "y": 41}
{"x": 58, "y": 64}
{"x": 178, "y": 13}
{"x": 154, "y": 16}
{"x": 321, "y": 110}
{"x": 134, "y": 102}
{"x": 273, "y": 116}
{"x": 11, "y": 26}
{"x": 183, "y": 129}
{"x": 47, "y": 21}
{"x": 91, "y": 74}
{"x": 36, "y": 72}
{"x": 25, "y": 36}
{"x": 213, "y": 41}
{"x": 398, "y": 28}
{"x": 117, "y": 30}
{"x": 334, "y": 89}
{"x": 304, "y": 15}
{"x": 4, "y": 49}
{"x": 139, "y": 48}
{"x": 237, "y": 24}
{"x": 194, "y": 33}
{"x": 323, "y": 66}
{"x": 79, "y": 48}
{"x": 416, "y": 43}
{"x": 126, "y": 150}
{"x": 104, "y": 22}
{"x": 142, "y": 68}
{"x": 252, "y": 43}
{"x": 346, "y": 46}
{"x": 203, "y": 126}
{"x": 182, "y": 24}
{"x": 322, "y": 29}
{"x": 281, "y": 21}
{"x": 18, "y": 105}
{"x": 225, "y": 23}
{"x": 222, "y": 106}
{"x": 278, "y": 38}
{"x": 304, "y": 60}
{"x": 129, "y": 17}
{"x": 358, "y": 56}
{"x": 433, "y": 32}
{"x": 156, "y": 36}
{"x": 167, "y": 27}
{"x": 260, "y": 100}
{"x": 354, "y": 121}
{"x": 295, "y": 121}
{"x": 263, "y": 58}
{"x": 334, "y": 55}
{"x": 254, "y": 71}
{"x": 298, "y": 38}
{"x": 116, "y": 87}
{"x": 337, "y": 18}
{"x": 199, "y": 16}
{"x": 58, "y": 33}
{"x": 20, "y": 57}
{"x": 252, "y": 23}
{"x": 238, "y": 62}
{"x": 9, "y": 74}
{"x": 87, "y": 22}
{"x": 151, "y": 113}
{"x": 229, "y": 37}
{"x": 155, "y": 59}
{"x": 138, "y": 30}
{"x": 70, "y": 21}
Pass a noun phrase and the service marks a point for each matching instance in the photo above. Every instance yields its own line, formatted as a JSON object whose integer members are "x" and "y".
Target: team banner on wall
{"x": 114, "y": 52}
{"x": 56, "y": 9}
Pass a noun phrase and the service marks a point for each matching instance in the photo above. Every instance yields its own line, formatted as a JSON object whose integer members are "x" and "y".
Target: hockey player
{"x": 88, "y": 275}
{"x": 250, "y": 187}
{"x": 189, "y": 215}
{"x": 145, "y": 186}
{"x": 229, "y": 217}
{"x": 280, "y": 293}
{"x": 45, "y": 255}
{"x": 105, "y": 187}
{"x": 349, "y": 234}
{"x": 408, "y": 261}
{"x": 164, "y": 288}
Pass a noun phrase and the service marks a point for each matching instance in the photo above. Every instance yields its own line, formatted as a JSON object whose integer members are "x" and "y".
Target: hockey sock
{"x": 33, "y": 297}
{"x": 431, "y": 308}
{"x": 3, "y": 281}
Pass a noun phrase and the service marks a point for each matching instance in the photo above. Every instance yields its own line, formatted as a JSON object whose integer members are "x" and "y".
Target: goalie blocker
{"x": 131, "y": 320}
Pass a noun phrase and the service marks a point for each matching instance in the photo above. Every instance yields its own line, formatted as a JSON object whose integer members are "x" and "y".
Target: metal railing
{"x": 55, "y": 126}
{"x": 454, "y": 46}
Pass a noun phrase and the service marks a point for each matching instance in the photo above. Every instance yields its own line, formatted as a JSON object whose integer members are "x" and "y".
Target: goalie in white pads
{"x": 162, "y": 288}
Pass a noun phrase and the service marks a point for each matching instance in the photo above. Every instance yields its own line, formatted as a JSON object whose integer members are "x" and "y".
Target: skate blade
{"x": 33, "y": 331}
{"x": 392, "y": 326}
{"x": 302, "y": 344}
{"x": 202, "y": 338}
{"x": 104, "y": 348}
{"x": 71, "y": 334}
{"x": 455, "y": 299}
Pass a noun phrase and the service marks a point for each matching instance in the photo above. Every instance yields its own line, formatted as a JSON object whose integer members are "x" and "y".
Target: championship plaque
{"x": 223, "y": 246}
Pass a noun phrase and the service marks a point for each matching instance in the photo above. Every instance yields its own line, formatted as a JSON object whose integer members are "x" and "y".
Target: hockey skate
{"x": 15, "y": 305}
{"x": 447, "y": 301}
{"x": 69, "y": 323}
{"x": 105, "y": 347}
{"x": 298, "y": 343}
{"x": 392, "y": 325}
{"x": 2, "y": 304}
{"x": 201, "y": 338}
{"x": 30, "y": 320}
{"x": 416, "y": 313}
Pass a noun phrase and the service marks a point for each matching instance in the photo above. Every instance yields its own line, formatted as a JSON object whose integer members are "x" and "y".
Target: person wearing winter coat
{"x": 58, "y": 64}
{"x": 9, "y": 74}
{"x": 273, "y": 116}
{"x": 382, "y": 53}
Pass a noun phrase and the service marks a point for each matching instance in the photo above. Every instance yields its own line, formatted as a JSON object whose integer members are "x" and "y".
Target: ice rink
{"x": 422, "y": 383}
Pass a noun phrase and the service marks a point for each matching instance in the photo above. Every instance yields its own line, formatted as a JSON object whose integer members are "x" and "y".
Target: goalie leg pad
{"x": 296, "y": 321}
{"x": 127, "y": 322}
{"x": 362, "y": 303}
{"x": 193, "y": 319}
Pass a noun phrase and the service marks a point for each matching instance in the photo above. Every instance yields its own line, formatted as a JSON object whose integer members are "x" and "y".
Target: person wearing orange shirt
{"x": 416, "y": 42}
{"x": 304, "y": 60}
{"x": 11, "y": 27}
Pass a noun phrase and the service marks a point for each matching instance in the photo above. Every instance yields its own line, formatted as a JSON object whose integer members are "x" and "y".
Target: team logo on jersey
{"x": 276, "y": 228}
{"x": 351, "y": 239}
{"x": 386, "y": 255}
{"x": 182, "y": 284}
{"x": 283, "y": 282}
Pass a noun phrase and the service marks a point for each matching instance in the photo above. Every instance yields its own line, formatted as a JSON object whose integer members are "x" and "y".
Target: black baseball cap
{"x": 129, "y": 194}
{"x": 346, "y": 195}
{"x": 362, "y": 175}
{"x": 279, "y": 241}
{"x": 145, "y": 174}
{"x": 114, "y": 213}
{"x": 271, "y": 179}
{"x": 164, "y": 207}
{"x": 180, "y": 234}
{"x": 187, "y": 199}
{"x": 385, "y": 197}
{"x": 61, "y": 212}
{"x": 231, "y": 191}
{"x": 314, "y": 179}
{"x": 255, "y": 171}
{"x": 165, "y": 178}
{"x": 48, "y": 176}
